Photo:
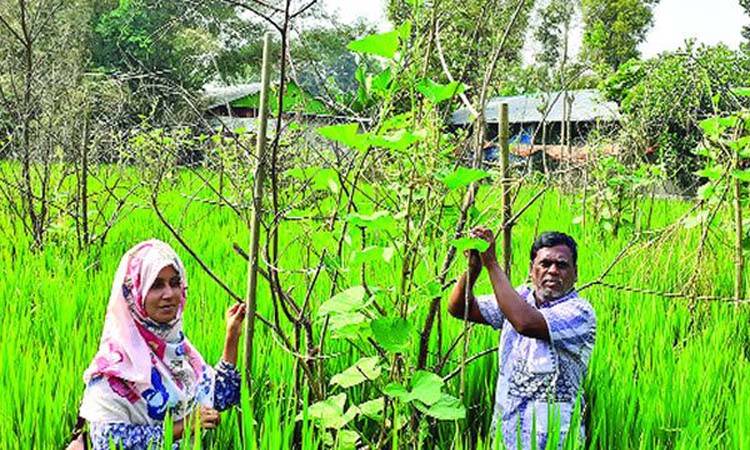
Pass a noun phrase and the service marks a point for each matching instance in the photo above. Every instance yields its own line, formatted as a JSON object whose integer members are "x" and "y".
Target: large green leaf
{"x": 742, "y": 175}
{"x": 740, "y": 145}
{"x": 363, "y": 370}
{"x": 381, "y": 44}
{"x": 392, "y": 333}
{"x": 347, "y": 301}
{"x": 395, "y": 390}
{"x": 353, "y": 331}
{"x": 347, "y": 134}
{"x": 347, "y": 440}
{"x": 712, "y": 173}
{"x": 399, "y": 141}
{"x": 463, "y": 176}
{"x": 742, "y": 91}
{"x": 447, "y": 408}
{"x": 372, "y": 408}
{"x": 437, "y": 93}
{"x": 352, "y": 326}
{"x": 326, "y": 179}
{"x": 370, "y": 254}
{"x": 706, "y": 191}
{"x": 729, "y": 121}
{"x": 329, "y": 413}
{"x": 341, "y": 320}
{"x": 425, "y": 387}
{"x": 404, "y": 31}
{"x": 462, "y": 244}
{"x": 712, "y": 127}
{"x": 382, "y": 82}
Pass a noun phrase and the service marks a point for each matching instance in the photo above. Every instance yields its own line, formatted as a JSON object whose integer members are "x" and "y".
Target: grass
{"x": 665, "y": 374}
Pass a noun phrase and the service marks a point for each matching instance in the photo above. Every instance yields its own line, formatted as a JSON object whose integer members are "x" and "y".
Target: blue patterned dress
{"x": 223, "y": 381}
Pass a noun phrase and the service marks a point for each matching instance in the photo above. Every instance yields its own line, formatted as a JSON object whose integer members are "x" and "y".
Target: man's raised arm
{"x": 527, "y": 320}
{"x": 458, "y": 300}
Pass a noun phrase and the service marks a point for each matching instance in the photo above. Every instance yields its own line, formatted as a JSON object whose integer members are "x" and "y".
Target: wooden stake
{"x": 503, "y": 132}
{"x": 738, "y": 255}
{"x": 252, "y": 267}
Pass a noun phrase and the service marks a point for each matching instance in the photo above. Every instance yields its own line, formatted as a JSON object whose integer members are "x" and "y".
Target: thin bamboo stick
{"x": 505, "y": 188}
{"x": 252, "y": 267}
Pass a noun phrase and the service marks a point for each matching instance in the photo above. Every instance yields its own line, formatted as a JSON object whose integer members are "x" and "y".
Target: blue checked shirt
{"x": 532, "y": 371}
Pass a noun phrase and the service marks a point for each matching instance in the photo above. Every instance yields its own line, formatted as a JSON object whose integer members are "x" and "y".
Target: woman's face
{"x": 163, "y": 299}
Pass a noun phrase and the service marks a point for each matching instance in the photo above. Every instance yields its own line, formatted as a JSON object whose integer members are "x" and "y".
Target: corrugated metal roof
{"x": 223, "y": 95}
{"x": 588, "y": 105}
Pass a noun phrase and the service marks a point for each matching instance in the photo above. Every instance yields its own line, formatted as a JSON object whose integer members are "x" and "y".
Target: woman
{"x": 146, "y": 369}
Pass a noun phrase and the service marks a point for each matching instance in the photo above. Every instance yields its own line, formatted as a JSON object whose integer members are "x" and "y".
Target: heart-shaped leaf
{"x": 329, "y": 413}
{"x": 395, "y": 390}
{"x": 347, "y": 301}
{"x": 381, "y": 44}
{"x": 463, "y": 176}
{"x": 447, "y": 408}
{"x": 392, "y": 333}
{"x": 372, "y": 408}
{"x": 425, "y": 387}
{"x": 347, "y": 134}
{"x": 363, "y": 370}
{"x": 437, "y": 93}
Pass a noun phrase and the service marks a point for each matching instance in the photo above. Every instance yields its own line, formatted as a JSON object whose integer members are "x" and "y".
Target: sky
{"x": 708, "y": 21}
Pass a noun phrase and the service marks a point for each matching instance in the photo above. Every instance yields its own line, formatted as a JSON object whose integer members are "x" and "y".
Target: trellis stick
{"x": 738, "y": 257}
{"x": 505, "y": 187}
{"x": 252, "y": 267}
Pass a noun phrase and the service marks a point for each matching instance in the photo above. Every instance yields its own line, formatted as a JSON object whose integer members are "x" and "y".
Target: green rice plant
{"x": 665, "y": 373}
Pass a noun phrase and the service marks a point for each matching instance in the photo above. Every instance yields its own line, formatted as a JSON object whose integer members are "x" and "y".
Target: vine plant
{"x": 358, "y": 198}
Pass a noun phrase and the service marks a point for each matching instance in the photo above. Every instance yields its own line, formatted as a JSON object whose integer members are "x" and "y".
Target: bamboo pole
{"x": 252, "y": 267}
{"x": 738, "y": 256}
{"x": 503, "y": 133}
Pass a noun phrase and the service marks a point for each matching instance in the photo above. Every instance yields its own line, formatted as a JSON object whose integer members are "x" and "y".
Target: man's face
{"x": 553, "y": 273}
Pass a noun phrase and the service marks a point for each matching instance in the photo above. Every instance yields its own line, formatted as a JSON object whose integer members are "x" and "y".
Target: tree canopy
{"x": 614, "y": 28}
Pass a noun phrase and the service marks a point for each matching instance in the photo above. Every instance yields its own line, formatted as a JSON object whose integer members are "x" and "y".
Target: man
{"x": 546, "y": 339}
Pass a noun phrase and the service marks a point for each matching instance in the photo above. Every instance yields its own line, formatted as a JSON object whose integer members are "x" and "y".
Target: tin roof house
{"x": 541, "y": 120}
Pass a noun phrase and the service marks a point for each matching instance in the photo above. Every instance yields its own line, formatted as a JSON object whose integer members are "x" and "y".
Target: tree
{"x": 552, "y": 32}
{"x": 322, "y": 63}
{"x": 42, "y": 49}
{"x": 57, "y": 120}
{"x": 614, "y": 28}
{"x": 185, "y": 42}
{"x": 469, "y": 32}
{"x": 663, "y": 99}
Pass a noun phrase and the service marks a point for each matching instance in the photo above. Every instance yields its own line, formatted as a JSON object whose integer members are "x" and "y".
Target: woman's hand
{"x": 235, "y": 316}
{"x": 210, "y": 418}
